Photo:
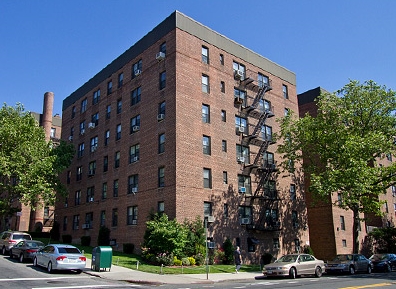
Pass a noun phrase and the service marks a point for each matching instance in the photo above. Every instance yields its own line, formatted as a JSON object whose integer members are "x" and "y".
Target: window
{"x": 105, "y": 163}
{"x": 119, "y": 106}
{"x": 76, "y": 222}
{"x": 266, "y": 132}
{"x": 161, "y": 108}
{"x": 275, "y": 243}
{"x": 221, "y": 59}
{"x": 339, "y": 199}
{"x": 222, "y": 86}
{"x": 205, "y": 55}
{"x": 68, "y": 177}
{"x": 271, "y": 218}
{"x": 224, "y": 145}
{"x": 84, "y": 104}
{"x": 114, "y": 218}
{"x": 342, "y": 223}
{"x": 134, "y": 153}
{"x": 243, "y": 154}
{"x": 285, "y": 92}
{"x": 163, "y": 47}
{"x": 161, "y": 143}
{"x": 386, "y": 207}
{"x": 393, "y": 188}
{"x": 269, "y": 161}
{"x": 207, "y": 209}
{"x": 120, "y": 79}
{"x": 245, "y": 212}
{"x": 270, "y": 189}
{"x": 118, "y": 132}
{"x": 297, "y": 245}
{"x": 161, "y": 207}
{"x": 344, "y": 243}
{"x": 80, "y": 152}
{"x": 96, "y": 97}
{"x": 207, "y": 178}
{"x": 286, "y": 111}
{"x": 295, "y": 219}
{"x": 92, "y": 168}
{"x": 292, "y": 192}
{"x": 240, "y": 96}
{"x": 137, "y": 69}
{"x": 82, "y": 127}
{"x": 53, "y": 132}
{"x": 77, "y": 198}
{"x": 161, "y": 177}
{"x": 225, "y": 177}
{"x": 108, "y": 111}
{"x": 244, "y": 185}
{"x": 71, "y": 133}
{"x": 205, "y": 83}
{"x": 132, "y": 215}
{"x": 240, "y": 124}
{"x": 64, "y": 223}
{"x": 135, "y": 124}
{"x": 102, "y": 218}
{"x": 93, "y": 144}
{"x": 133, "y": 184}
{"x": 104, "y": 191}
{"x": 223, "y": 116}
{"x": 205, "y": 113}
{"x": 162, "y": 80}
{"x": 115, "y": 188}
{"x": 225, "y": 211}
{"x": 95, "y": 119}
{"x": 117, "y": 157}
{"x": 73, "y": 114}
{"x": 206, "y": 145}
{"x": 107, "y": 137}
{"x": 262, "y": 80}
{"x": 109, "y": 87}
{"x": 90, "y": 194}
{"x": 136, "y": 96}
{"x": 79, "y": 174}
{"x": 237, "y": 67}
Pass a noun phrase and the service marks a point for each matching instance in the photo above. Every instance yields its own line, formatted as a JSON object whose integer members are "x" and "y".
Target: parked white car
{"x": 60, "y": 257}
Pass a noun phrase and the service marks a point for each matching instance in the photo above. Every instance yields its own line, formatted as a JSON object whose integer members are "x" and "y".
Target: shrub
{"x": 67, "y": 239}
{"x": 308, "y": 250}
{"x": 176, "y": 261}
{"x": 228, "y": 252}
{"x": 185, "y": 262}
{"x": 104, "y": 236}
{"x": 219, "y": 256}
{"x": 199, "y": 259}
{"x": 128, "y": 248}
{"x": 266, "y": 259}
{"x": 191, "y": 260}
{"x": 86, "y": 240}
{"x": 164, "y": 259}
{"x": 55, "y": 231}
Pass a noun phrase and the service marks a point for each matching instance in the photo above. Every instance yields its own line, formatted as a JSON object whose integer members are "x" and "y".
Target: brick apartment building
{"x": 331, "y": 227}
{"x": 182, "y": 123}
{"x": 42, "y": 218}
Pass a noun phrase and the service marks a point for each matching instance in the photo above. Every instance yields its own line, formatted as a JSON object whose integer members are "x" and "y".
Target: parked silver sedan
{"x": 293, "y": 265}
{"x": 349, "y": 263}
{"x": 60, "y": 257}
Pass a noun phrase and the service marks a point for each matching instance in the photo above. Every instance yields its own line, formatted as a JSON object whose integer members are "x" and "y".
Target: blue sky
{"x": 57, "y": 46}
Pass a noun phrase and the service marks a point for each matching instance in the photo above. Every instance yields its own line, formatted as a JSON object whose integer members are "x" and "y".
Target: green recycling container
{"x": 101, "y": 258}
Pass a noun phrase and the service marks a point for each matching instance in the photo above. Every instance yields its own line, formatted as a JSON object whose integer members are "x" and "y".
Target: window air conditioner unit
{"x": 241, "y": 129}
{"x": 70, "y": 138}
{"x": 91, "y": 125}
{"x": 238, "y": 74}
{"x": 76, "y": 227}
{"x": 245, "y": 221}
{"x": 91, "y": 199}
{"x": 82, "y": 131}
{"x": 135, "y": 159}
{"x": 134, "y": 222}
{"x": 211, "y": 219}
{"x": 160, "y": 116}
{"x": 211, "y": 245}
{"x": 138, "y": 72}
{"x": 242, "y": 190}
{"x": 85, "y": 226}
{"x": 136, "y": 128}
{"x": 241, "y": 159}
{"x": 93, "y": 148}
{"x": 91, "y": 172}
{"x": 134, "y": 190}
{"x": 160, "y": 56}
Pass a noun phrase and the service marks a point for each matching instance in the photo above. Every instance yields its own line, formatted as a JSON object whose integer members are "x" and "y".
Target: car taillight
{"x": 30, "y": 251}
{"x": 83, "y": 259}
{"x": 61, "y": 258}
{"x": 11, "y": 241}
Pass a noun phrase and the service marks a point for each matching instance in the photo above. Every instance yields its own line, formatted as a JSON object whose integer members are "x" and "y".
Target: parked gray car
{"x": 26, "y": 249}
{"x": 60, "y": 257}
{"x": 10, "y": 238}
{"x": 349, "y": 263}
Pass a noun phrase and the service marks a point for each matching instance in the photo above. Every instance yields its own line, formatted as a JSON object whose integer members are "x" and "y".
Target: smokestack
{"x": 47, "y": 114}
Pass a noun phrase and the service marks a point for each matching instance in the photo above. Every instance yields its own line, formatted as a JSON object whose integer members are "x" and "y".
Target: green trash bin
{"x": 101, "y": 258}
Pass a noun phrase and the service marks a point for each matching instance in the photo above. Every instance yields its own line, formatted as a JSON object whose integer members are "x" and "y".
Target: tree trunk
{"x": 356, "y": 224}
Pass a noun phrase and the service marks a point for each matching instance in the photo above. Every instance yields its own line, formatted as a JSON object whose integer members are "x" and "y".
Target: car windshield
{"x": 379, "y": 257}
{"x": 287, "y": 259}
{"x": 343, "y": 258}
{"x": 21, "y": 237}
{"x": 34, "y": 244}
{"x": 68, "y": 250}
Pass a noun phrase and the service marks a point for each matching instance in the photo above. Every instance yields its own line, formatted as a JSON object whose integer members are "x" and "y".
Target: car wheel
{"x": 292, "y": 273}
{"x": 35, "y": 262}
{"x": 351, "y": 270}
{"x": 49, "y": 267}
{"x": 318, "y": 272}
{"x": 78, "y": 271}
{"x": 21, "y": 258}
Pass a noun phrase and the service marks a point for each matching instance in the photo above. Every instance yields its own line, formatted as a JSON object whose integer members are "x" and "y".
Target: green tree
{"x": 385, "y": 239}
{"x": 195, "y": 237}
{"x": 354, "y": 128}
{"x": 29, "y": 165}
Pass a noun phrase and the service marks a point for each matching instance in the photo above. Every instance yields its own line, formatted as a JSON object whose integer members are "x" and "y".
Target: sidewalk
{"x": 132, "y": 276}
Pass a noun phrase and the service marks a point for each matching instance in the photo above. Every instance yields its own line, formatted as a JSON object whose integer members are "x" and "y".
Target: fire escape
{"x": 265, "y": 196}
